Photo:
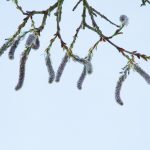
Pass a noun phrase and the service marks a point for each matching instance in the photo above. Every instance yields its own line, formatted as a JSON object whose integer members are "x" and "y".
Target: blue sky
{"x": 58, "y": 116}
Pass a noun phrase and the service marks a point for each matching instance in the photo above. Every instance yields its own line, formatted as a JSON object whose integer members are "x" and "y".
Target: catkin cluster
{"x": 33, "y": 42}
{"x": 87, "y": 69}
{"x": 125, "y": 73}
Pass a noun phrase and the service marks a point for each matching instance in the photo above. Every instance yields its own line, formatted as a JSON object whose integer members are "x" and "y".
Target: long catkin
{"x": 61, "y": 68}
{"x": 21, "y": 71}
{"x": 50, "y": 68}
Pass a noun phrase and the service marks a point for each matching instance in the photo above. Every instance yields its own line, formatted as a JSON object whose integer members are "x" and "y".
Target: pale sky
{"x": 41, "y": 116}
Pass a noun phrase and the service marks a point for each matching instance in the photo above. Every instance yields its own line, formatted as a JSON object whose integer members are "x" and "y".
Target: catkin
{"x": 61, "y": 68}
{"x": 21, "y": 71}
{"x": 89, "y": 67}
{"x": 141, "y": 72}
{"x": 13, "y": 48}
{"x": 81, "y": 78}
{"x": 30, "y": 40}
{"x": 36, "y": 44}
{"x": 87, "y": 63}
{"x": 50, "y": 68}
{"x": 124, "y": 20}
{"x": 118, "y": 89}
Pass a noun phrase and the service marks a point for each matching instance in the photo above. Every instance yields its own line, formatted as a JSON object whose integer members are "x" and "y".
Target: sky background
{"x": 59, "y": 116}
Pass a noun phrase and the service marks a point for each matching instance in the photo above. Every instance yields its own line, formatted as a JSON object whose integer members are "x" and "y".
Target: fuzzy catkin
{"x": 36, "y": 44}
{"x": 50, "y": 68}
{"x": 5, "y": 46}
{"x": 118, "y": 89}
{"x": 81, "y": 78}
{"x": 124, "y": 20}
{"x": 141, "y": 72}
{"x": 13, "y": 48}
{"x": 30, "y": 40}
{"x": 21, "y": 71}
{"x": 61, "y": 68}
{"x": 89, "y": 67}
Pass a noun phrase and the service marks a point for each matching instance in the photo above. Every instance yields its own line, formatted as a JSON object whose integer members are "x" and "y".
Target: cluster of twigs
{"x": 144, "y": 2}
{"x": 33, "y": 42}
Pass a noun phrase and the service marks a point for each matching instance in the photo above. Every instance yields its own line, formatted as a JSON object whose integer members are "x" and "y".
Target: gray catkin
{"x": 5, "y": 46}
{"x": 124, "y": 19}
{"x": 118, "y": 89}
{"x": 81, "y": 78}
{"x": 13, "y": 48}
{"x": 141, "y": 72}
{"x": 50, "y": 68}
{"x": 21, "y": 71}
{"x": 30, "y": 40}
{"x": 89, "y": 67}
{"x": 61, "y": 68}
{"x": 36, "y": 44}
